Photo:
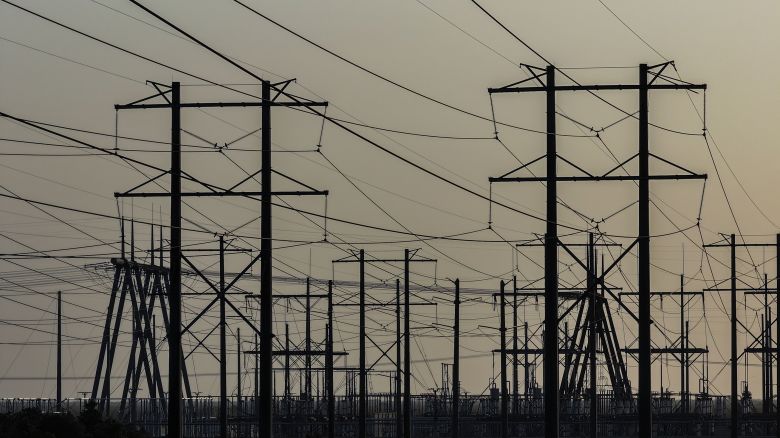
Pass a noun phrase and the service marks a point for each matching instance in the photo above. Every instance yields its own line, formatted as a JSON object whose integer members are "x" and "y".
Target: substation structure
{"x": 569, "y": 399}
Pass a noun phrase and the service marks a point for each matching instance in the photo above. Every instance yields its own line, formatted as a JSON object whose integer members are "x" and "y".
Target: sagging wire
{"x": 600, "y": 130}
{"x": 576, "y": 122}
{"x": 606, "y": 218}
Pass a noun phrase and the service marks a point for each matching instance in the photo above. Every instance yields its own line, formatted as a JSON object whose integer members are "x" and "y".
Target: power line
{"x": 388, "y": 80}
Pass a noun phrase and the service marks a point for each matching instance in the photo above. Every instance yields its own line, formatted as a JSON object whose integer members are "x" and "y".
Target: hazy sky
{"x": 448, "y": 50}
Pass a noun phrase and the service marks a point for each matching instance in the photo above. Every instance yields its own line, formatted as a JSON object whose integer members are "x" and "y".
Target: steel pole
{"x": 266, "y": 271}
{"x": 515, "y": 378}
{"x": 684, "y": 354}
{"x": 551, "y": 427}
{"x": 223, "y": 430}
{"x": 526, "y": 371}
{"x": 456, "y": 365}
{"x": 308, "y": 339}
{"x": 504, "y": 389}
{"x": 645, "y": 402}
{"x": 399, "y": 425}
{"x": 329, "y": 365}
{"x": 287, "y": 365}
{"x": 362, "y": 404}
{"x": 594, "y": 403}
{"x": 407, "y": 354}
{"x": 239, "y": 402}
{"x": 734, "y": 388}
{"x": 174, "y": 294}
{"x": 59, "y": 350}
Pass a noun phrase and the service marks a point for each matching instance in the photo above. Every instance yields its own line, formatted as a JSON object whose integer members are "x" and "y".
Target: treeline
{"x": 90, "y": 423}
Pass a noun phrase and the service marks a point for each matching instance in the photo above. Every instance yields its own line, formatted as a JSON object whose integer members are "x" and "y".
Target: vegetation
{"x": 32, "y": 423}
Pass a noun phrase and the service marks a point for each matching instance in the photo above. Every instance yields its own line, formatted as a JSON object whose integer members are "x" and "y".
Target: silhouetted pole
{"x": 504, "y": 389}
{"x": 174, "y": 294}
{"x": 399, "y": 425}
{"x": 594, "y": 403}
{"x": 266, "y": 272}
{"x": 59, "y": 350}
{"x": 770, "y": 360}
{"x": 132, "y": 238}
{"x": 407, "y": 354}
{"x": 645, "y": 402}
{"x": 362, "y": 402}
{"x": 456, "y": 365}
{"x": 734, "y": 389}
{"x": 329, "y": 365}
{"x": 122, "y": 232}
{"x": 551, "y": 270}
{"x": 287, "y": 364}
{"x": 525, "y": 362}
{"x": 684, "y": 387}
{"x": 257, "y": 373}
{"x": 515, "y": 378}
{"x": 223, "y": 432}
{"x": 687, "y": 370}
{"x": 238, "y": 372}
{"x": 765, "y": 352}
{"x": 162, "y": 251}
{"x": 308, "y": 338}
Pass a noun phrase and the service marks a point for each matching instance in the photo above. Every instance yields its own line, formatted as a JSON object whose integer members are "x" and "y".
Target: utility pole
{"x": 407, "y": 353}
{"x": 287, "y": 365}
{"x": 174, "y": 294}
{"x": 766, "y": 353}
{"x": 239, "y": 402}
{"x": 515, "y": 379}
{"x": 265, "y": 417}
{"x": 734, "y": 389}
{"x": 362, "y": 403}
{"x": 526, "y": 376}
{"x": 687, "y": 370}
{"x": 329, "y": 365}
{"x": 399, "y": 425}
{"x": 257, "y": 371}
{"x": 594, "y": 402}
{"x": 504, "y": 392}
{"x": 645, "y": 402}
{"x": 551, "y": 379}
{"x": 59, "y": 350}
{"x": 308, "y": 339}
{"x": 683, "y": 356}
{"x": 223, "y": 429}
{"x": 456, "y": 364}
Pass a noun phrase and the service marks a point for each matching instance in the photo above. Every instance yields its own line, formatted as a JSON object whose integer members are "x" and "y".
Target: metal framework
{"x": 545, "y": 77}
{"x": 736, "y": 411}
{"x": 172, "y": 100}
